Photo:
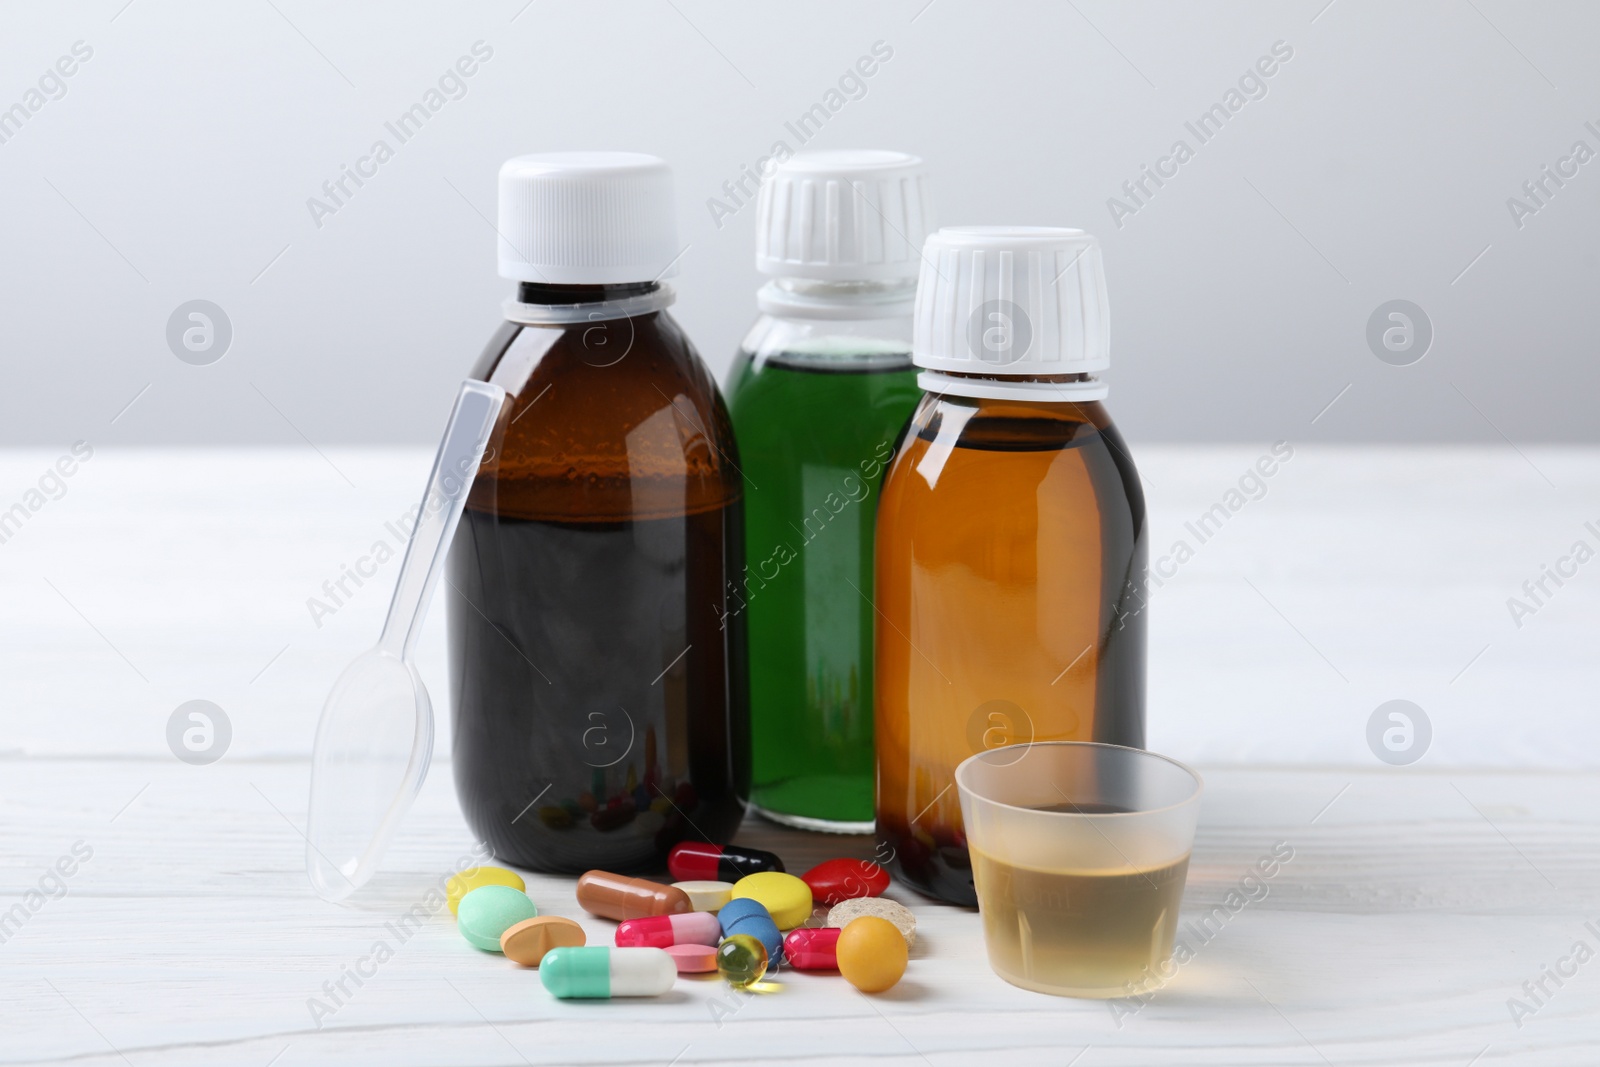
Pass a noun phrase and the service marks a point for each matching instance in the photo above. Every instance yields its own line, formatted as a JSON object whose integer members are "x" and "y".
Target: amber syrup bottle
{"x": 597, "y": 657}
{"x": 1011, "y": 537}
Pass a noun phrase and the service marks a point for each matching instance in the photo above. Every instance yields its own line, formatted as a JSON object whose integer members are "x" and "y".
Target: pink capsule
{"x": 813, "y": 948}
{"x": 660, "y": 931}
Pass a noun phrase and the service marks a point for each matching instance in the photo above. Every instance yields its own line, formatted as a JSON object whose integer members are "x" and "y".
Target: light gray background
{"x": 1378, "y": 166}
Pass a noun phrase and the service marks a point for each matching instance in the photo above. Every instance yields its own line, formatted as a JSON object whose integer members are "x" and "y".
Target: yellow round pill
{"x": 872, "y": 954}
{"x": 463, "y": 882}
{"x": 786, "y": 897}
{"x": 706, "y": 896}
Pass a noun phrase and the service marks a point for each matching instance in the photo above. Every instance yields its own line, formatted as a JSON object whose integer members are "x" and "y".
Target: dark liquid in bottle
{"x": 601, "y": 701}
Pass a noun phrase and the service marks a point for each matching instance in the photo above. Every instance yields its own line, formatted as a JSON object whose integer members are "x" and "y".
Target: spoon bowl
{"x": 375, "y": 740}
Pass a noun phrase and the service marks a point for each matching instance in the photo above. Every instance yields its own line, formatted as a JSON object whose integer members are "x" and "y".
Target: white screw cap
{"x": 843, "y": 216}
{"x": 587, "y": 218}
{"x": 1009, "y": 302}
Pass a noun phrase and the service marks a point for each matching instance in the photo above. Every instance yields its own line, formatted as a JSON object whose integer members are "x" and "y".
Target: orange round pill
{"x": 526, "y": 942}
{"x": 872, "y": 954}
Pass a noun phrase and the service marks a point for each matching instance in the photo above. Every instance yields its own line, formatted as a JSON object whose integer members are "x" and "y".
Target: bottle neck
{"x": 542, "y": 293}
{"x": 809, "y": 298}
{"x": 542, "y": 304}
{"x": 1042, "y": 388}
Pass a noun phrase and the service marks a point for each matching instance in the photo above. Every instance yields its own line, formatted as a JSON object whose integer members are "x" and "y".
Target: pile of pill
{"x": 728, "y": 912}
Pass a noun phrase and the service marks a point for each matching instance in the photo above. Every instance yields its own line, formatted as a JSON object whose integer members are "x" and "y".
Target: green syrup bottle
{"x": 819, "y": 394}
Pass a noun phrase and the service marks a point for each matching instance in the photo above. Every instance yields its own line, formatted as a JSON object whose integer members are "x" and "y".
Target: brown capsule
{"x": 616, "y": 896}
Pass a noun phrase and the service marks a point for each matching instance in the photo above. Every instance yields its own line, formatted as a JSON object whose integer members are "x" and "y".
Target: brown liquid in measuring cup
{"x": 1087, "y": 933}
{"x": 597, "y": 662}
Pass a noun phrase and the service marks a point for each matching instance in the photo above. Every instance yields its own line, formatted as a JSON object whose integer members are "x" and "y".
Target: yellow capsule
{"x": 742, "y": 960}
{"x": 463, "y": 882}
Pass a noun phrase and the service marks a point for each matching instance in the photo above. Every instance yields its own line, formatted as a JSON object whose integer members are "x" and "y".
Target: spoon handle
{"x": 454, "y": 468}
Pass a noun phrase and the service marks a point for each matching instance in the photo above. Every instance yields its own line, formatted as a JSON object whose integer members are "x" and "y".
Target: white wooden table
{"x": 1418, "y": 901}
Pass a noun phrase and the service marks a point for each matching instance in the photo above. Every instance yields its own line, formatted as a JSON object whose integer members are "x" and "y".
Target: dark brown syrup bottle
{"x": 598, "y": 663}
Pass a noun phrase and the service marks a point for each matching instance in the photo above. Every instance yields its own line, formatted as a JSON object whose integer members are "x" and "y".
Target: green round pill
{"x": 741, "y": 960}
{"x": 488, "y": 911}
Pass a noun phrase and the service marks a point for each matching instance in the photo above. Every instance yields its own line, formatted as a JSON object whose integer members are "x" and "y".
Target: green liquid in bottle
{"x": 816, "y": 433}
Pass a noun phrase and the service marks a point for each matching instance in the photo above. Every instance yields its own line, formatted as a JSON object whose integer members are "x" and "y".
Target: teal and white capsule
{"x": 597, "y": 972}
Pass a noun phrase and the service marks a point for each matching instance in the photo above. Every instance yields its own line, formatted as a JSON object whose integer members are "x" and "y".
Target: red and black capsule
{"x": 691, "y": 861}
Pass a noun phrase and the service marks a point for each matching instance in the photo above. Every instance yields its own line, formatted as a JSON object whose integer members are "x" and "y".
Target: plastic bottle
{"x": 821, "y": 388}
{"x": 598, "y": 671}
{"x": 1011, "y": 537}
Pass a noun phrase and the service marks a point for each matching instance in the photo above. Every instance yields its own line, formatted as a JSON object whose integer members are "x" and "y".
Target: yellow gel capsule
{"x": 463, "y": 882}
{"x": 786, "y": 897}
{"x": 741, "y": 960}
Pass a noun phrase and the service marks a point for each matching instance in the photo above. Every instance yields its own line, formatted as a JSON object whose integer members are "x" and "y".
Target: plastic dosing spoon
{"x": 375, "y": 738}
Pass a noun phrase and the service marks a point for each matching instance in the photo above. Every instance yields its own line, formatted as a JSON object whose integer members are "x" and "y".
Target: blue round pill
{"x": 744, "y": 915}
{"x": 741, "y": 908}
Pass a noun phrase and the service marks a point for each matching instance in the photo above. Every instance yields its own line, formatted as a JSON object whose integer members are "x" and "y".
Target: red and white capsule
{"x": 813, "y": 948}
{"x": 661, "y": 931}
